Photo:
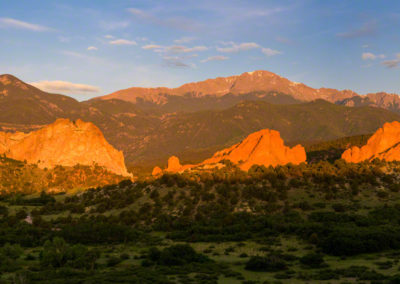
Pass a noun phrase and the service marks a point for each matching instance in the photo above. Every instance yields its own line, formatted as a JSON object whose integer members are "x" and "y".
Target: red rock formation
{"x": 173, "y": 165}
{"x": 384, "y": 145}
{"x": 63, "y": 143}
{"x": 156, "y": 171}
{"x": 264, "y": 147}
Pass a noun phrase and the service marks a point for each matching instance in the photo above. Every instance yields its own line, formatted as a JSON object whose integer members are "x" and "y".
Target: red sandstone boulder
{"x": 64, "y": 143}
{"x": 264, "y": 147}
{"x": 384, "y": 145}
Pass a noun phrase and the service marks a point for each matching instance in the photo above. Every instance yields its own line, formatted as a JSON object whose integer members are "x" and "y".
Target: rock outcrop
{"x": 156, "y": 171}
{"x": 264, "y": 147}
{"x": 173, "y": 164}
{"x": 384, "y": 145}
{"x": 65, "y": 143}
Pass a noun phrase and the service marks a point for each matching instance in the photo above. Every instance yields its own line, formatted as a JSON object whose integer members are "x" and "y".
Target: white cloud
{"x": 371, "y": 56}
{"x": 109, "y": 36}
{"x": 233, "y": 47}
{"x": 123, "y": 42}
{"x": 270, "y": 52}
{"x": 151, "y": 46}
{"x": 92, "y": 48}
{"x": 215, "y": 58}
{"x": 65, "y": 87}
{"x": 17, "y": 24}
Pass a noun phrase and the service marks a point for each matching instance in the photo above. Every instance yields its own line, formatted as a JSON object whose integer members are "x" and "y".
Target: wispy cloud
{"x": 74, "y": 54}
{"x": 284, "y": 40}
{"x": 82, "y": 56}
{"x": 371, "y": 56}
{"x": 234, "y": 47}
{"x": 215, "y": 58}
{"x": 109, "y": 36}
{"x": 114, "y": 25}
{"x": 64, "y": 39}
{"x": 181, "y": 48}
{"x": 177, "y": 22}
{"x": 65, "y": 87}
{"x": 184, "y": 40}
{"x": 151, "y": 46}
{"x": 174, "y": 48}
{"x": 367, "y": 29}
{"x": 123, "y": 42}
{"x": 17, "y": 24}
{"x": 175, "y": 61}
{"x": 92, "y": 48}
{"x": 392, "y": 63}
{"x": 270, "y": 52}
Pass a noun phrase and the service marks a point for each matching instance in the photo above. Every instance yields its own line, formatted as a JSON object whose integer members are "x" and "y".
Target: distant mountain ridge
{"x": 259, "y": 81}
{"x": 245, "y": 83}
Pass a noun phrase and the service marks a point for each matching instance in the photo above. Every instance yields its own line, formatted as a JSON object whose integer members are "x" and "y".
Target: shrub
{"x": 269, "y": 263}
{"x": 176, "y": 255}
{"x": 312, "y": 260}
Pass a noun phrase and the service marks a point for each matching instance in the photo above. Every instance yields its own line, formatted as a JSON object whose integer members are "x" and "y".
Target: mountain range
{"x": 197, "y": 119}
{"x": 258, "y": 85}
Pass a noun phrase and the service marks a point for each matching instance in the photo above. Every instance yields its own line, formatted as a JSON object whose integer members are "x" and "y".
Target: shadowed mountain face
{"x": 194, "y": 125}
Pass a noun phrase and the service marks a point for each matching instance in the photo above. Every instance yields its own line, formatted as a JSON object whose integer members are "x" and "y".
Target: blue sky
{"x": 88, "y": 48}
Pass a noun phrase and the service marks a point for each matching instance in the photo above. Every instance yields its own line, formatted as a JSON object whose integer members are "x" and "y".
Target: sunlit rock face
{"x": 264, "y": 147}
{"x": 156, "y": 171}
{"x": 65, "y": 143}
{"x": 384, "y": 145}
{"x": 173, "y": 164}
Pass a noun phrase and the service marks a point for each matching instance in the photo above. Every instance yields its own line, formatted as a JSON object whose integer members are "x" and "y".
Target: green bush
{"x": 269, "y": 263}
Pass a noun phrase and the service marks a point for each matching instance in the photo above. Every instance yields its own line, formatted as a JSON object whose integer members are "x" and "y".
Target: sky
{"x": 86, "y": 48}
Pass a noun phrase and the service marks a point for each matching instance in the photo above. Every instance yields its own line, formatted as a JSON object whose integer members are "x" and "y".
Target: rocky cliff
{"x": 384, "y": 145}
{"x": 264, "y": 147}
{"x": 65, "y": 143}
